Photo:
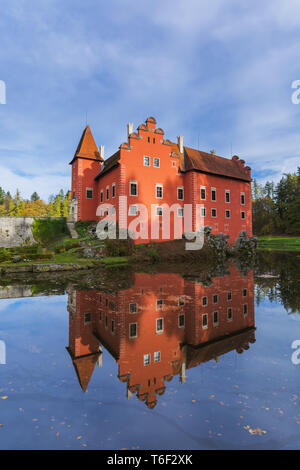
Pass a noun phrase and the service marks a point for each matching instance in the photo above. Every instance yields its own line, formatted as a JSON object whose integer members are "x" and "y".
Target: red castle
{"x": 151, "y": 170}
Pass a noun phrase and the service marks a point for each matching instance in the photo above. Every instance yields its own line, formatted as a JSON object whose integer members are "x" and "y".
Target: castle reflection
{"x": 160, "y": 327}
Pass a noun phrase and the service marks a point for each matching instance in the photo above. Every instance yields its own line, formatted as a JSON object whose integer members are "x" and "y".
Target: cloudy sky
{"x": 218, "y": 72}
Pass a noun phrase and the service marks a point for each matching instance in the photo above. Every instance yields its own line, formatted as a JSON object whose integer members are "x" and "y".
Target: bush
{"x": 83, "y": 227}
{"x": 47, "y": 231}
{"x": 66, "y": 244}
{"x": 118, "y": 247}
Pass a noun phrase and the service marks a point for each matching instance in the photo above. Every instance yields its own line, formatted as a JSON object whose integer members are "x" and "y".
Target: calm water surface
{"x": 170, "y": 362}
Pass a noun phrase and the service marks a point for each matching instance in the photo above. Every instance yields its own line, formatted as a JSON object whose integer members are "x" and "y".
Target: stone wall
{"x": 15, "y": 231}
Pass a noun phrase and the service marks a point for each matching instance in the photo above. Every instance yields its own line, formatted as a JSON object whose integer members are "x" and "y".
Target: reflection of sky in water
{"x": 46, "y": 408}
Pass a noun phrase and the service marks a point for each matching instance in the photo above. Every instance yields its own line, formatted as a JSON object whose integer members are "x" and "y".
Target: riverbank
{"x": 279, "y": 243}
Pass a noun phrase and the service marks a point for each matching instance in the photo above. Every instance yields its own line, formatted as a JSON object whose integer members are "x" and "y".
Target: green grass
{"x": 280, "y": 243}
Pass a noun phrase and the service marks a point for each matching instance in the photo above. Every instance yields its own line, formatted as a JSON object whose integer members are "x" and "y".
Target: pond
{"x": 169, "y": 361}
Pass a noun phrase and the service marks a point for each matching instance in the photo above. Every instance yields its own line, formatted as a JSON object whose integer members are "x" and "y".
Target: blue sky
{"x": 218, "y": 72}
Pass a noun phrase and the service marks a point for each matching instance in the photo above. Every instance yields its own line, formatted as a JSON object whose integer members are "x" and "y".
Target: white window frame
{"x": 216, "y": 323}
{"x": 107, "y": 192}
{"x": 181, "y": 301}
{"x": 159, "y": 209}
{"x": 243, "y": 212}
{"x": 180, "y": 212}
{"x": 242, "y": 203}
{"x": 88, "y": 322}
{"x": 130, "y": 209}
{"x": 179, "y": 316}
{"x": 101, "y": 195}
{"x": 178, "y": 198}
{"x": 204, "y": 327}
{"x": 130, "y": 183}
{"x": 228, "y": 318}
{"x": 227, "y": 210}
{"x": 113, "y": 190}
{"x": 149, "y": 160}
{"x": 204, "y": 297}
{"x": 201, "y": 198}
{"x": 227, "y": 191}
{"x": 89, "y": 189}
{"x": 211, "y": 193}
{"x": 162, "y": 330}
{"x": 203, "y": 211}
{"x": 245, "y": 289}
{"x": 147, "y": 359}
{"x": 159, "y": 306}
{"x": 215, "y": 295}
{"x": 133, "y": 303}
{"x": 214, "y": 209}
{"x": 229, "y": 292}
{"x": 159, "y": 185}
{"x": 155, "y": 357}
{"x": 158, "y": 160}
{"x": 133, "y": 337}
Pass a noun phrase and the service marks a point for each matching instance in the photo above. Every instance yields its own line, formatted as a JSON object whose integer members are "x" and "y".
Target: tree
{"x": 34, "y": 196}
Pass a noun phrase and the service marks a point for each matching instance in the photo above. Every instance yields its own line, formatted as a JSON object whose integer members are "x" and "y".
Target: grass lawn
{"x": 279, "y": 243}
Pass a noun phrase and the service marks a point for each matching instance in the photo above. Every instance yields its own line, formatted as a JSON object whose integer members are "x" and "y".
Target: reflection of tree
{"x": 283, "y": 284}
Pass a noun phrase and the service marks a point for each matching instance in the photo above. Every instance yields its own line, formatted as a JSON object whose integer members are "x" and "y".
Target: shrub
{"x": 83, "y": 227}
{"x": 47, "y": 231}
{"x": 118, "y": 247}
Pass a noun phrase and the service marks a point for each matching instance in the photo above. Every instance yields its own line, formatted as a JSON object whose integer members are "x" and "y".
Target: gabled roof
{"x": 87, "y": 147}
{"x": 109, "y": 164}
{"x": 209, "y": 163}
{"x": 84, "y": 367}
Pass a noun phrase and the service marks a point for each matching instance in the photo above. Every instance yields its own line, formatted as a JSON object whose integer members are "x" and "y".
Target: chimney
{"x": 129, "y": 129}
{"x": 180, "y": 143}
{"x": 101, "y": 148}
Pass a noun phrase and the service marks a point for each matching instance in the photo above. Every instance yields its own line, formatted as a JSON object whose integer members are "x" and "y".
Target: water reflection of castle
{"x": 160, "y": 327}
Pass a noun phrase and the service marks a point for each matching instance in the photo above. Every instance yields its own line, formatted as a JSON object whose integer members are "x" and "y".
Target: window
{"x": 243, "y": 199}
{"x": 203, "y": 212}
{"x": 113, "y": 326}
{"x": 87, "y": 318}
{"x": 204, "y": 301}
{"x": 244, "y": 292}
{"x": 133, "y": 188}
{"x": 204, "y": 321}
{"x": 146, "y": 359}
{"x": 181, "y": 301}
{"x": 181, "y": 320}
{"x": 106, "y": 320}
{"x": 215, "y": 298}
{"x": 133, "y": 307}
{"x": 229, "y": 295}
{"x": 214, "y": 212}
{"x": 89, "y": 193}
{"x": 100, "y": 315}
{"x": 113, "y": 190}
{"x": 157, "y": 356}
{"x": 159, "y": 325}
{"x": 227, "y": 195}
{"x": 133, "y": 210}
{"x": 229, "y": 314}
{"x": 133, "y": 330}
{"x": 227, "y": 214}
{"x": 112, "y": 306}
{"x": 146, "y": 161}
{"x": 213, "y": 194}
{"x": 159, "y": 304}
{"x": 159, "y": 210}
{"x": 107, "y": 192}
{"x": 156, "y": 162}
{"x": 180, "y": 193}
{"x": 106, "y": 302}
{"x": 216, "y": 318}
{"x": 100, "y": 299}
{"x": 159, "y": 191}
{"x": 180, "y": 212}
{"x": 243, "y": 215}
{"x": 245, "y": 309}
{"x": 202, "y": 193}
{"x": 149, "y": 140}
